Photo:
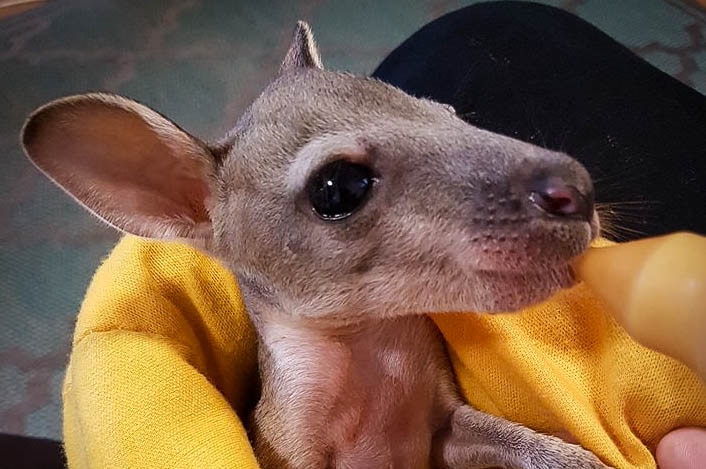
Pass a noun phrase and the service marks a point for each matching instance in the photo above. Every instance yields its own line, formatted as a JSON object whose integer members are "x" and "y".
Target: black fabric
{"x": 21, "y": 452}
{"x": 545, "y": 76}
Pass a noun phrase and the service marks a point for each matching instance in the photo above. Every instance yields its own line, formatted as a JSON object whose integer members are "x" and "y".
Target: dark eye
{"x": 339, "y": 188}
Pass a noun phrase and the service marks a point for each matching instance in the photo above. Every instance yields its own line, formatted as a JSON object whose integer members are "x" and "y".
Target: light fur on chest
{"x": 369, "y": 395}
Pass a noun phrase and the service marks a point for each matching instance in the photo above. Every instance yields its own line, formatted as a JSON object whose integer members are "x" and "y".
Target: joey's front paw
{"x": 477, "y": 439}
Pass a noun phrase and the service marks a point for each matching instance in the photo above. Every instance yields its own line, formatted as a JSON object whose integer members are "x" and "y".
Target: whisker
{"x": 619, "y": 219}
{"x": 621, "y": 233}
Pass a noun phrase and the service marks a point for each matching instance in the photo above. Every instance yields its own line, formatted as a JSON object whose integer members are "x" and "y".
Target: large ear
{"x": 126, "y": 163}
{"x": 302, "y": 52}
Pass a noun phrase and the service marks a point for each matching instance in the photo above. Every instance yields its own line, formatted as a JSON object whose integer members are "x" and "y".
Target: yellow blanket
{"x": 163, "y": 366}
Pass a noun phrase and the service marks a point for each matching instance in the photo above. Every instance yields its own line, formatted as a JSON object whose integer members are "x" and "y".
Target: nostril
{"x": 562, "y": 200}
{"x": 557, "y": 201}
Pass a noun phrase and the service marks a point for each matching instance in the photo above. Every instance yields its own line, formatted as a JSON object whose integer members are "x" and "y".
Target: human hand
{"x": 684, "y": 448}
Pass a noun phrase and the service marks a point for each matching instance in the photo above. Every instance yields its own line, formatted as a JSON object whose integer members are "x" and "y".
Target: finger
{"x": 684, "y": 448}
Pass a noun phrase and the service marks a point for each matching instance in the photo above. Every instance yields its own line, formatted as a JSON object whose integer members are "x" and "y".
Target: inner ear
{"x": 126, "y": 163}
{"x": 303, "y": 52}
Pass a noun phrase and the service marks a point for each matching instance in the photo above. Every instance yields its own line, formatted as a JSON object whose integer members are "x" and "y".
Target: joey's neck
{"x": 319, "y": 358}
{"x": 292, "y": 346}
{"x": 284, "y": 327}
{"x": 313, "y": 343}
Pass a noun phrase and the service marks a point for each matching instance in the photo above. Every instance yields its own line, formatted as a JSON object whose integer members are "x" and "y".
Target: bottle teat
{"x": 656, "y": 289}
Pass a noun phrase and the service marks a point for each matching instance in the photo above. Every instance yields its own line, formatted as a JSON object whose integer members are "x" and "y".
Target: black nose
{"x": 558, "y": 198}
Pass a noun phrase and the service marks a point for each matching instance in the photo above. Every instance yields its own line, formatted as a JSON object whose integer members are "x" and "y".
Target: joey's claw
{"x": 564, "y": 457}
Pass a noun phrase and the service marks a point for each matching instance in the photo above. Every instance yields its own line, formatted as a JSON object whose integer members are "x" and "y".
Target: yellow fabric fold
{"x": 163, "y": 370}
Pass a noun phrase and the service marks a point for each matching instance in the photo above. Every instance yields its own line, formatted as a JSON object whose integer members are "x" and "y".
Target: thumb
{"x": 684, "y": 448}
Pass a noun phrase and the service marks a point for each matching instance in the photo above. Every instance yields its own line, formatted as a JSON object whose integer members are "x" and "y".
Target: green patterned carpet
{"x": 199, "y": 62}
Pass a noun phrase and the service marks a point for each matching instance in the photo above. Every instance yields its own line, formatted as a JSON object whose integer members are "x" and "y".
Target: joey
{"x": 346, "y": 209}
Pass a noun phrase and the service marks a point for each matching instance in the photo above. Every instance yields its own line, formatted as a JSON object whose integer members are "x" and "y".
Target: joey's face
{"x": 333, "y": 197}
{"x": 368, "y": 202}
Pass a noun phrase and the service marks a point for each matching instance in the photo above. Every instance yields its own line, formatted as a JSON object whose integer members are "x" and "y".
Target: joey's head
{"x": 334, "y": 197}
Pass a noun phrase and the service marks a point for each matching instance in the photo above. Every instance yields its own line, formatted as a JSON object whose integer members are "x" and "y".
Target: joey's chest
{"x": 368, "y": 399}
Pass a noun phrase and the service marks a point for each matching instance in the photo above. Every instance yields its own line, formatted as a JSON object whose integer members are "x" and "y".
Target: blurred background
{"x": 199, "y": 62}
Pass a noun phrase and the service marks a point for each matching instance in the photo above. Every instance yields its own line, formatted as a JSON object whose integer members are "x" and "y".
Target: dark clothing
{"x": 545, "y": 76}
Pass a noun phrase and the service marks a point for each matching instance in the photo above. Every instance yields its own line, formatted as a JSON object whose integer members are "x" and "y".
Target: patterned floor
{"x": 200, "y": 62}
